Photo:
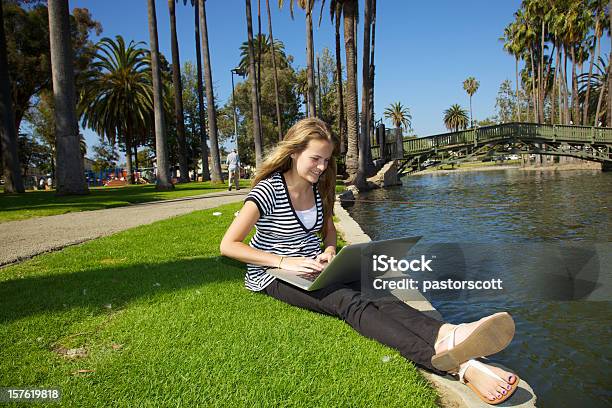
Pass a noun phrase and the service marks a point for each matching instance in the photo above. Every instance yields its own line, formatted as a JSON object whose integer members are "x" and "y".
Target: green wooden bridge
{"x": 583, "y": 142}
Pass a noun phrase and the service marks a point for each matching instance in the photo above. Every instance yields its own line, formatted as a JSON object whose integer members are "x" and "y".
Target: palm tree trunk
{"x": 585, "y": 108}
{"x": 565, "y": 91}
{"x": 471, "y": 120}
{"x": 178, "y": 96}
{"x": 259, "y": 44}
{"x": 254, "y": 96}
{"x": 128, "y": 154}
{"x": 135, "y": 156}
{"x": 201, "y": 121}
{"x": 352, "y": 113}
{"x": 554, "y": 88}
{"x": 312, "y": 110}
{"x": 600, "y": 100}
{"x": 364, "y": 135}
{"x": 610, "y": 76}
{"x": 545, "y": 87}
{"x": 533, "y": 81}
{"x": 216, "y": 175}
{"x": 161, "y": 149}
{"x": 542, "y": 80}
{"x": 279, "y": 122}
{"x": 8, "y": 133}
{"x": 70, "y": 172}
{"x": 320, "y": 98}
{"x": 518, "y": 96}
{"x": 341, "y": 125}
{"x": 371, "y": 76}
{"x": 575, "y": 105}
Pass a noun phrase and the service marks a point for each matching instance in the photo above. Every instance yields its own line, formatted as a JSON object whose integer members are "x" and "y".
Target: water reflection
{"x": 562, "y": 348}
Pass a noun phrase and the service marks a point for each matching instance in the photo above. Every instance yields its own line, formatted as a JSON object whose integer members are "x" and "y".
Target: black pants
{"x": 390, "y": 322}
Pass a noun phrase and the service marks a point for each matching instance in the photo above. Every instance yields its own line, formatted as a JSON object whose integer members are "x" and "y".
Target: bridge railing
{"x": 534, "y": 131}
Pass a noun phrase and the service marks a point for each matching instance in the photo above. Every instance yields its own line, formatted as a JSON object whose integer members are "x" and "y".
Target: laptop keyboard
{"x": 309, "y": 276}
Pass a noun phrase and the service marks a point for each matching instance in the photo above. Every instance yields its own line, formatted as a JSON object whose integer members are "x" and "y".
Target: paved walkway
{"x": 27, "y": 238}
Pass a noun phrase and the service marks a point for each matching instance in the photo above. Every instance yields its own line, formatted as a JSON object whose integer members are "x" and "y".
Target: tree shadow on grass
{"x": 95, "y": 289}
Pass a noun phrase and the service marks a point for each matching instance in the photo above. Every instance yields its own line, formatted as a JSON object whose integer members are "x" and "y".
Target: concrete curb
{"x": 452, "y": 393}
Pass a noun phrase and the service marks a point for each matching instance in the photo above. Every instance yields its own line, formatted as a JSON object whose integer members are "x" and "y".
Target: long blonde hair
{"x": 295, "y": 141}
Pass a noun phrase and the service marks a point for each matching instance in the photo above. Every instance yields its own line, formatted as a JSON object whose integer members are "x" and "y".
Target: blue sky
{"x": 424, "y": 50}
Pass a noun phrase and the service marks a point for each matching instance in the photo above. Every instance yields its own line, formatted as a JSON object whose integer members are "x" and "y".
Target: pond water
{"x": 562, "y": 348}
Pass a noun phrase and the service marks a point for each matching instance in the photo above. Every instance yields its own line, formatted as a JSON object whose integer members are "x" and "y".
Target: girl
{"x": 291, "y": 200}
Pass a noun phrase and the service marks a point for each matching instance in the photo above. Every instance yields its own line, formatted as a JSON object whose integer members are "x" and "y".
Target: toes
{"x": 490, "y": 396}
{"x": 511, "y": 379}
{"x": 501, "y": 389}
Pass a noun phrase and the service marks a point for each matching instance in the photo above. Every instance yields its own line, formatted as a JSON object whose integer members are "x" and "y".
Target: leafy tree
{"x": 29, "y": 59}
{"x": 33, "y": 153}
{"x": 506, "y": 103}
{"x": 105, "y": 156}
{"x": 455, "y": 118}
{"x": 289, "y": 104}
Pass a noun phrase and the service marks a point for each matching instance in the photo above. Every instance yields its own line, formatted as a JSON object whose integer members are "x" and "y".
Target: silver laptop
{"x": 346, "y": 265}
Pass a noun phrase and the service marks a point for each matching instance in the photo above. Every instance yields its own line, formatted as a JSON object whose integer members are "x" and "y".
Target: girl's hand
{"x": 326, "y": 257}
{"x": 301, "y": 264}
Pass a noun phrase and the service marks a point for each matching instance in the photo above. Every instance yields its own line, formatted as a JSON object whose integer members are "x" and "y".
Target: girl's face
{"x": 313, "y": 161}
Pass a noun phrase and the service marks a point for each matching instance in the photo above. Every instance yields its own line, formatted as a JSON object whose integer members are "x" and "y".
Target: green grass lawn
{"x": 165, "y": 321}
{"x": 42, "y": 203}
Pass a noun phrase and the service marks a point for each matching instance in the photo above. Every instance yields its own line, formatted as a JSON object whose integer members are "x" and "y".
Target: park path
{"x": 27, "y": 238}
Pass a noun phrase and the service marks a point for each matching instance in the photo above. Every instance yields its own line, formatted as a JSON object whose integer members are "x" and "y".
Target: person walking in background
{"x": 233, "y": 168}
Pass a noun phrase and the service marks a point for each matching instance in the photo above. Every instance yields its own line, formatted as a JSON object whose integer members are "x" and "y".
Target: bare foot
{"x": 460, "y": 334}
{"x": 490, "y": 387}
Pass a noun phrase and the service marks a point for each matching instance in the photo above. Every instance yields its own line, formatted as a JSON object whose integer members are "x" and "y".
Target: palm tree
{"x": 8, "y": 133}
{"x": 471, "y": 86}
{"x": 254, "y": 91}
{"x": 162, "y": 181}
{"x": 455, "y": 118}
{"x": 265, "y": 43}
{"x": 210, "y": 99}
{"x": 203, "y": 143}
{"x": 178, "y": 95}
{"x": 399, "y": 115}
{"x": 307, "y": 6}
{"x": 116, "y": 97}
{"x": 279, "y": 122}
{"x": 70, "y": 172}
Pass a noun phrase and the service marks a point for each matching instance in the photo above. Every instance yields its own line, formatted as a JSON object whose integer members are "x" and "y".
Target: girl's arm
{"x": 330, "y": 239}
{"x": 233, "y": 247}
{"x": 329, "y": 244}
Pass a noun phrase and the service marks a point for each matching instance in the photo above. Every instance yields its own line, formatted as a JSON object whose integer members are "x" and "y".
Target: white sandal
{"x": 483, "y": 368}
{"x": 490, "y": 337}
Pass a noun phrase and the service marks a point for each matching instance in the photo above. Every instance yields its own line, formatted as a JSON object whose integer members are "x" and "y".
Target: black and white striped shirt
{"x": 279, "y": 230}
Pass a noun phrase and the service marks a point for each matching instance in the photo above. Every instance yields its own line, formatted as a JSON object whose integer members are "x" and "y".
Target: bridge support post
{"x": 606, "y": 166}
